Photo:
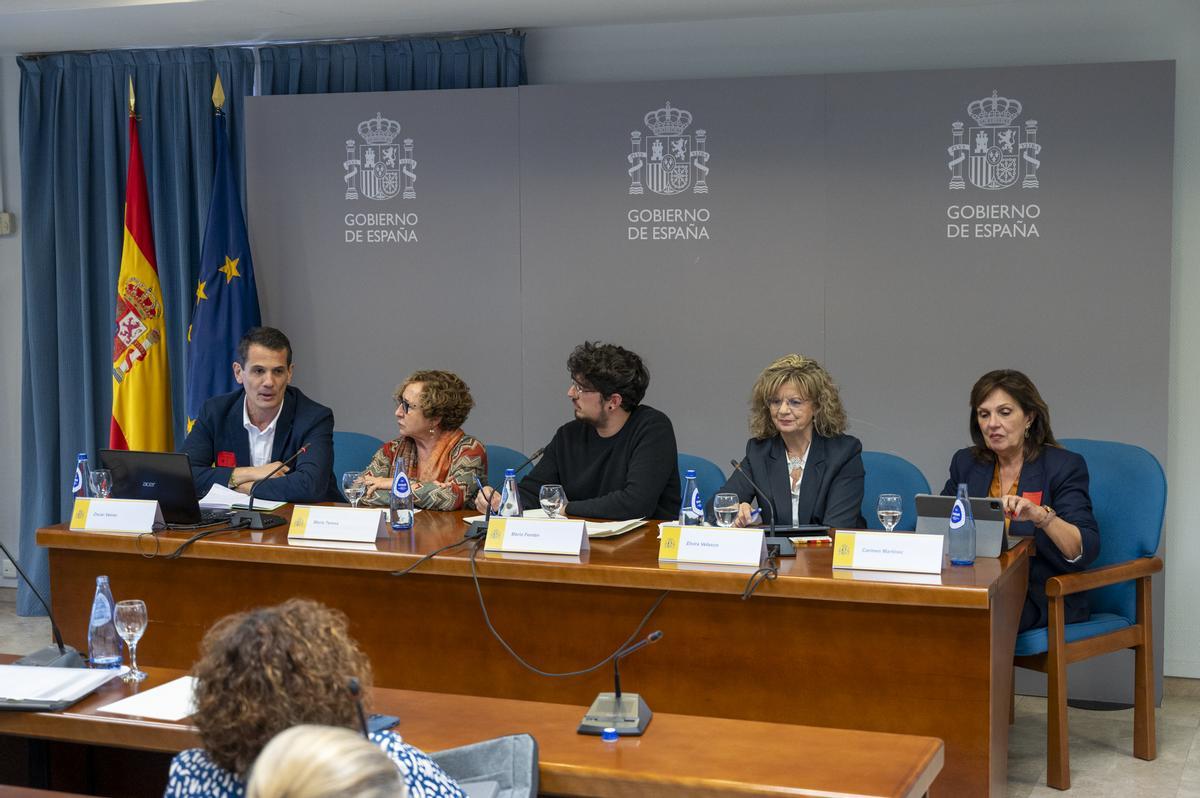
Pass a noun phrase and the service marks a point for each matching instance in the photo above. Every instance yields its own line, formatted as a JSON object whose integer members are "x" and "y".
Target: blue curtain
{"x": 73, "y": 153}
{"x": 489, "y": 60}
{"x": 74, "y": 146}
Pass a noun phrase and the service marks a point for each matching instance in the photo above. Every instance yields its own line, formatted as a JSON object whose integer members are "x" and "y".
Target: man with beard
{"x": 617, "y": 459}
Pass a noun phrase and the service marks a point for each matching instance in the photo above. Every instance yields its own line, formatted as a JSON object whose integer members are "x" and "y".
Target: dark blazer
{"x": 1061, "y": 477}
{"x": 219, "y": 430}
{"x": 831, "y": 490}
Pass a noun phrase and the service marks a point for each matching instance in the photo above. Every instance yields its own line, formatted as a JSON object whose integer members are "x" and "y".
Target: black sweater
{"x": 633, "y": 474}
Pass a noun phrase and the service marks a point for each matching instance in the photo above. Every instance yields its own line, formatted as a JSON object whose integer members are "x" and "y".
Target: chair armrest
{"x": 1066, "y": 584}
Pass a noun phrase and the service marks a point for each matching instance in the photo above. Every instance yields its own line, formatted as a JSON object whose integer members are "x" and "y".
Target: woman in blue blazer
{"x": 1043, "y": 487}
{"x": 811, "y": 471}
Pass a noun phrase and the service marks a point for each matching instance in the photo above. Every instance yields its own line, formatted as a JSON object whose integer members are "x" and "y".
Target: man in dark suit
{"x": 241, "y": 437}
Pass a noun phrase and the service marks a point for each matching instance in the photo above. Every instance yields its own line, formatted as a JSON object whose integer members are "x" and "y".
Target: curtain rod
{"x": 449, "y": 35}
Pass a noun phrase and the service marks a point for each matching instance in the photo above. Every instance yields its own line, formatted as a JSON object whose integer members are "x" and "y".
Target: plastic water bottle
{"x": 401, "y": 500}
{"x": 510, "y": 497}
{"x": 104, "y": 645}
{"x": 691, "y": 509}
{"x": 79, "y": 487}
{"x": 962, "y": 529}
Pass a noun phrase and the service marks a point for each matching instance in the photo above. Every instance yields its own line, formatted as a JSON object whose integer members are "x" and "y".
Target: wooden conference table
{"x": 679, "y": 756}
{"x": 895, "y": 653}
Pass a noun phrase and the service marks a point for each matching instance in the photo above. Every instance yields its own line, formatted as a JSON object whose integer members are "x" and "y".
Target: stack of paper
{"x": 170, "y": 701}
{"x": 595, "y": 529}
{"x": 220, "y": 497}
{"x": 610, "y": 529}
{"x": 27, "y": 687}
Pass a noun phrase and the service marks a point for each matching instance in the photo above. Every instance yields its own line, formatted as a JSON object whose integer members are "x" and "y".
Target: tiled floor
{"x": 1102, "y": 762}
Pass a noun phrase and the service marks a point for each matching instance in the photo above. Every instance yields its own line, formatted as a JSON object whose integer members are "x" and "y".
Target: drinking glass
{"x": 553, "y": 499}
{"x": 725, "y": 507}
{"x": 889, "y": 510}
{"x": 353, "y": 486}
{"x": 100, "y": 481}
{"x": 130, "y": 618}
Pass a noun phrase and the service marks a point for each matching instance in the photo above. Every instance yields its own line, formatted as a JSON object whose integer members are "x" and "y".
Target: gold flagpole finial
{"x": 132, "y": 99}
{"x": 218, "y": 95}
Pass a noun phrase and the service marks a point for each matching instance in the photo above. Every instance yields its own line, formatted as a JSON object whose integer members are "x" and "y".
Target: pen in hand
{"x": 479, "y": 485}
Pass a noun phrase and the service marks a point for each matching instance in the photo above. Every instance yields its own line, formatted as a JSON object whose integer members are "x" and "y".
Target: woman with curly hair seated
{"x": 266, "y": 670}
{"x": 441, "y": 461}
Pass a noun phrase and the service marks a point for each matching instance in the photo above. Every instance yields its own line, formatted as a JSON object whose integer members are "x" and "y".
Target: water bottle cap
{"x": 690, "y": 474}
{"x": 508, "y": 472}
{"x": 609, "y": 735}
{"x": 102, "y": 580}
{"x": 81, "y": 457}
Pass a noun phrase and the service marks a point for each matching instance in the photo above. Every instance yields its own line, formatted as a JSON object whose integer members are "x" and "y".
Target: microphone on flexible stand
{"x": 356, "y": 690}
{"x": 531, "y": 458}
{"x": 776, "y": 544}
{"x": 627, "y": 713}
{"x": 248, "y": 518}
{"x": 479, "y": 528}
{"x": 57, "y": 655}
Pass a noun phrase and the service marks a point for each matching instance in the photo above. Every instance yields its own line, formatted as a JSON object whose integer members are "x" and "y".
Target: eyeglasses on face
{"x": 794, "y": 404}
{"x": 577, "y": 388}
{"x": 402, "y": 402}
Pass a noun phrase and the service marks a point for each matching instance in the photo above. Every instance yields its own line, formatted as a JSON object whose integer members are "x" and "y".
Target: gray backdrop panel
{"x": 706, "y": 314}
{"x": 825, "y": 224}
{"x": 1083, "y": 308}
{"x": 362, "y": 316}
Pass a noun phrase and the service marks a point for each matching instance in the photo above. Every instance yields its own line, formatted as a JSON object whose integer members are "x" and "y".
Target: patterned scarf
{"x": 437, "y": 467}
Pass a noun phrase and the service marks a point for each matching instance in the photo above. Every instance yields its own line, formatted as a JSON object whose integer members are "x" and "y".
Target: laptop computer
{"x": 933, "y": 518}
{"x": 162, "y": 476}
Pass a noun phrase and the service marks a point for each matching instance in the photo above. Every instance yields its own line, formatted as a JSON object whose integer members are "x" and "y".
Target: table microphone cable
{"x": 522, "y": 661}
{"x": 769, "y": 572}
{"x": 432, "y": 554}
{"x": 201, "y": 535}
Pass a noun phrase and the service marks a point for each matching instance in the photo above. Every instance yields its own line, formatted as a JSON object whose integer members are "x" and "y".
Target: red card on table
{"x": 227, "y": 460}
{"x": 1034, "y": 496}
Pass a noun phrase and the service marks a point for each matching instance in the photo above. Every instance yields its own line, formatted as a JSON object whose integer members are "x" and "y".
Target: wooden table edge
{"x": 815, "y": 588}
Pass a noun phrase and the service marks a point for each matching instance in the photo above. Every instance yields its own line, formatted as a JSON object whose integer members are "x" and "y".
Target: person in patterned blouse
{"x": 442, "y": 462}
{"x": 267, "y": 670}
{"x": 324, "y": 762}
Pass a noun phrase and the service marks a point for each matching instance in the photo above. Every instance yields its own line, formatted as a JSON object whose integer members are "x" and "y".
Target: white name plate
{"x": 537, "y": 535}
{"x": 343, "y": 524}
{"x": 711, "y": 545}
{"x": 888, "y": 551}
{"x": 115, "y": 515}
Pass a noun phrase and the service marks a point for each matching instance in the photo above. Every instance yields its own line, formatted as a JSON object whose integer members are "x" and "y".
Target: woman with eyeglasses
{"x": 442, "y": 462}
{"x": 799, "y": 454}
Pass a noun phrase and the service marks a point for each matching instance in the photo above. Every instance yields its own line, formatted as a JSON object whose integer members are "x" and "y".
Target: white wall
{"x": 998, "y": 34}
{"x": 10, "y": 308}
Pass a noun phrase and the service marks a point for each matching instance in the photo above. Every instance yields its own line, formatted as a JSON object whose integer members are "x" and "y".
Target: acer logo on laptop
{"x": 149, "y": 484}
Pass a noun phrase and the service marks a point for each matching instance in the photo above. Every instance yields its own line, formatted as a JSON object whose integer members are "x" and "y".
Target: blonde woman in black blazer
{"x": 799, "y": 453}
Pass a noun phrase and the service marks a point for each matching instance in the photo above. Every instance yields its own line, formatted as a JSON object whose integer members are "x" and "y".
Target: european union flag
{"x": 226, "y": 296}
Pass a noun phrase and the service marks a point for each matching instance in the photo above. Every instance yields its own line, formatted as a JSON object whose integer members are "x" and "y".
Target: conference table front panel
{"x": 890, "y": 653}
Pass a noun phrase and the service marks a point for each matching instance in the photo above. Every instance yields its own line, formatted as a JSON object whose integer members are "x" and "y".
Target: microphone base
{"x": 253, "y": 519}
{"x": 783, "y": 546}
{"x": 51, "y": 657}
{"x": 630, "y": 719}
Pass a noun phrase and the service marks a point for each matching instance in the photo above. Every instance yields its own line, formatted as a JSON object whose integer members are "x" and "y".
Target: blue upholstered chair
{"x": 889, "y": 473}
{"x": 500, "y": 458}
{"x": 351, "y": 452}
{"x": 1129, "y": 495}
{"x": 709, "y": 476}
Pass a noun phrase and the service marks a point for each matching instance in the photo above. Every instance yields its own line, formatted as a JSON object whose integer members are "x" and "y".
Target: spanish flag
{"x": 141, "y": 393}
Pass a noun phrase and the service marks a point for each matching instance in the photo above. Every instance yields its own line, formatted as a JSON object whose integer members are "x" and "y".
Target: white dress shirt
{"x": 261, "y": 441}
